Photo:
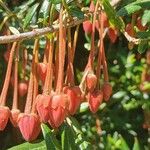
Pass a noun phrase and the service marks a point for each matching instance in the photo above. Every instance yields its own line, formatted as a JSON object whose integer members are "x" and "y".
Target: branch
{"x": 42, "y": 31}
{"x": 131, "y": 39}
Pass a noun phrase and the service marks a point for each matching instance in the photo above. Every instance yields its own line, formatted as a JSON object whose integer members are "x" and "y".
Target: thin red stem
{"x": 29, "y": 100}
{"x": 91, "y": 55}
{"x": 48, "y": 80}
{"x": 62, "y": 47}
{"x": 25, "y": 58}
{"x": 56, "y": 61}
{"x": 105, "y": 69}
{"x": 70, "y": 72}
{"x": 75, "y": 41}
{"x": 45, "y": 59}
{"x": 7, "y": 76}
{"x": 35, "y": 78}
{"x": 15, "y": 95}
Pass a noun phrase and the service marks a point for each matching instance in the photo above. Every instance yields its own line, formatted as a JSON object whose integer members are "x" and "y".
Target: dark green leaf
{"x": 114, "y": 19}
{"x": 146, "y": 17}
{"x": 65, "y": 139}
{"x": 50, "y": 139}
{"x": 30, "y": 146}
{"x": 76, "y": 12}
{"x": 142, "y": 46}
{"x": 29, "y": 15}
{"x": 129, "y": 9}
{"x": 45, "y": 11}
{"x": 143, "y": 35}
{"x": 133, "y": 7}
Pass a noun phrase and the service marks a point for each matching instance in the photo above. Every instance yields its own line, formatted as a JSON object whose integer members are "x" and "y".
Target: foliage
{"x": 118, "y": 124}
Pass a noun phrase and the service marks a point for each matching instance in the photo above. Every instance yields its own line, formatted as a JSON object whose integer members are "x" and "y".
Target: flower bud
{"x": 4, "y": 116}
{"x": 74, "y": 98}
{"x": 107, "y": 90}
{"x": 95, "y": 98}
{"x": 91, "y": 81}
{"x": 22, "y": 88}
{"x": 58, "y": 110}
{"x": 14, "y": 117}
{"x": 29, "y": 125}
{"x": 43, "y": 106}
{"x": 41, "y": 70}
{"x": 87, "y": 26}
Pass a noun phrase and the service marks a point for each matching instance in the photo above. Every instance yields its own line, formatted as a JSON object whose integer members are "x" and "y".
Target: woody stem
{"x": 7, "y": 77}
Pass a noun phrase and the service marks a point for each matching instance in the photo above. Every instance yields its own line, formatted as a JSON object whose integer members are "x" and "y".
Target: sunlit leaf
{"x": 29, "y": 15}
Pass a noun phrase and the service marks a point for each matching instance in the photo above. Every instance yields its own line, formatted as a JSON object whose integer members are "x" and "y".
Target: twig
{"x": 42, "y": 31}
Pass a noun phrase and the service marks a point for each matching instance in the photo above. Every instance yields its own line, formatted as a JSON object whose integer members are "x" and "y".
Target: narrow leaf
{"x": 65, "y": 139}
{"x": 142, "y": 46}
{"x": 50, "y": 139}
{"x": 30, "y": 146}
{"x": 76, "y": 12}
{"x": 146, "y": 17}
{"x": 136, "y": 145}
{"x": 14, "y": 30}
{"x": 30, "y": 15}
{"x": 129, "y": 9}
{"x": 114, "y": 19}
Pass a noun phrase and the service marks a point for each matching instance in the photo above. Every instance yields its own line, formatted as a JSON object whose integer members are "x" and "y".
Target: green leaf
{"x": 133, "y": 7}
{"x": 44, "y": 11}
{"x": 146, "y": 17}
{"x": 76, "y": 12}
{"x": 14, "y": 30}
{"x": 136, "y": 145}
{"x": 129, "y": 9}
{"x": 29, "y": 15}
{"x": 143, "y": 35}
{"x": 65, "y": 139}
{"x": 56, "y": 1}
{"x": 30, "y": 146}
{"x": 124, "y": 145}
{"x": 50, "y": 139}
{"x": 142, "y": 46}
{"x": 114, "y": 19}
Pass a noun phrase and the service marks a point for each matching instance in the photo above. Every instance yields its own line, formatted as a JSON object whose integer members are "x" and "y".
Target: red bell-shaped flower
{"x": 42, "y": 69}
{"x": 129, "y": 29}
{"x": 91, "y": 81}
{"x": 58, "y": 110}
{"x": 92, "y": 7}
{"x": 29, "y": 125}
{"x": 14, "y": 117}
{"x": 107, "y": 90}
{"x": 74, "y": 98}
{"x": 43, "y": 106}
{"x": 113, "y": 34}
{"x": 87, "y": 26}
{"x": 4, "y": 116}
{"x": 22, "y": 88}
{"x": 95, "y": 99}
